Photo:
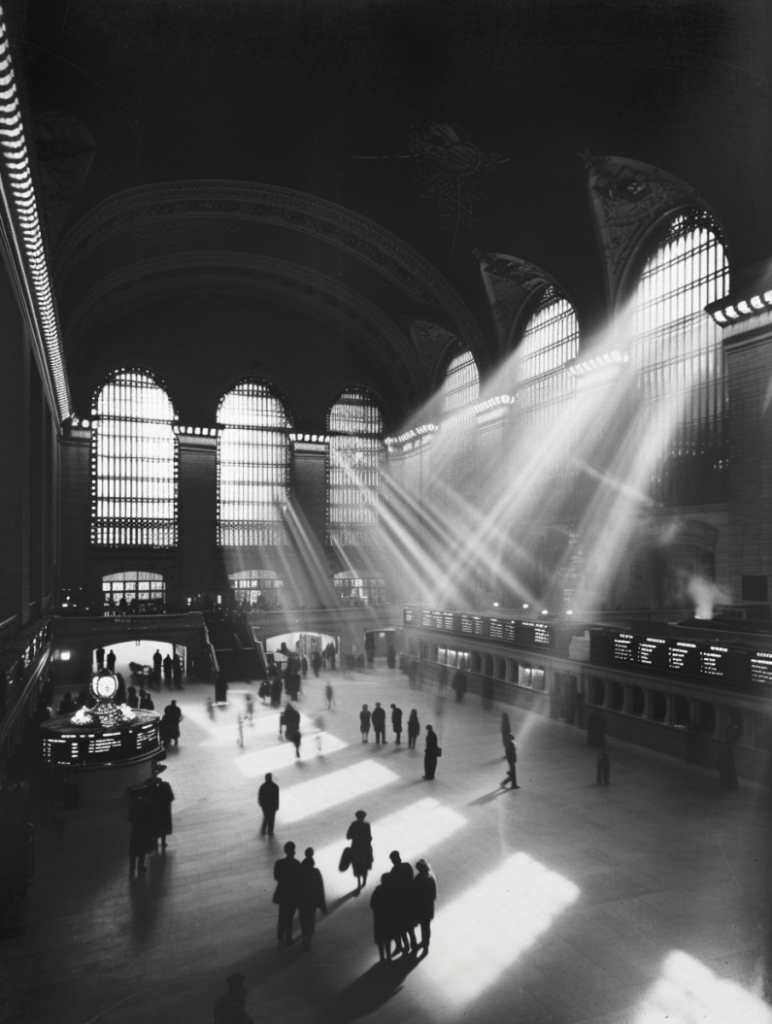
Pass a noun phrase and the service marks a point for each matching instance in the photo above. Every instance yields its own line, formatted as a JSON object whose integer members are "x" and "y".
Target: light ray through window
{"x": 688, "y": 992}
{"x": 283, "y": 755}
{"x": 499, "y": 918}
{"x": 333, "y": 788}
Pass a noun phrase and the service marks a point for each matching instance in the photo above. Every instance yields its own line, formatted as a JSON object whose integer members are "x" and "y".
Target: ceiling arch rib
{"x": 399, "y": 263}
{"x": 285, "y": 285}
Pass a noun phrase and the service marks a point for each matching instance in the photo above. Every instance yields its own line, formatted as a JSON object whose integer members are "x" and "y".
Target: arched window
{"x": 134, "y": 463}
{"x": 678, "y": 357}
{"x": 259, "y": 587}
{"x": 132, "y": 590}
{"x": 355, "y": 426}
{"x": 545, "y": 389}
{"x": 462, "y": 383}
{"x": 359, "y": 590}
{"x": 550, "y": 340}
{"x": 253, "y": 467}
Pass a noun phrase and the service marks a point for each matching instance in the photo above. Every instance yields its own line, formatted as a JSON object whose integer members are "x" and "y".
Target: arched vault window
{"x": 462, "y": 383}
{"x": 678, "y": 358}
{"x": 253, "y": 467}
{"x": 134, "y": 463}
{"x": 355, "y": 427}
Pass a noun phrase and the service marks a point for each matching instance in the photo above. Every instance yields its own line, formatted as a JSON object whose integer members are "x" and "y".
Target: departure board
{"x": 437, "y": 620}
{"x": 761, "y": 668}
{"x": 426, "y": 618}
{"x": 652, "y": 651}
{"x": 509, "y": 630}
{"x": 534, "y": 634}
{"x": 713, "y": 660}
{"x": 407, "y": 617}
{"x": 86, "y": 746}
{"x": 447, "y": 621}
{"x": 681, "y": 656}
{"x": 495, "y": 629}
{"x": 624, "y": 647}
{"x": 467, "y": 624}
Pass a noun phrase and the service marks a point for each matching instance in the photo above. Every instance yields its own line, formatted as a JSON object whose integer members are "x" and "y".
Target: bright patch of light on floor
{"x": 688, "y": 992}
{"x": 482, "y": 932}
{"x": 319, "y": 794}
{"x": 413, "y": 831}
{"x": 282, "y": 755}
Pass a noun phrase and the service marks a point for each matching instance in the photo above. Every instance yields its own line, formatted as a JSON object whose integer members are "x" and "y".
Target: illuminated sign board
{"x": 447, "y": 621}
{"x": 408, "y": 616}
{"x": 651, "y": 651}
{"x": 624, "y": 647}
{"x": 534, "y": 634}
{"x": 495, "y": 629}
{"x": 89, "y": 747}
{"x": 713, "y": 661}
{"x": 761, "y": 668}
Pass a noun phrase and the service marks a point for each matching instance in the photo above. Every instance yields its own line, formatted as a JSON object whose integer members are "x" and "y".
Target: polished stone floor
{"x": 645, "y": 901}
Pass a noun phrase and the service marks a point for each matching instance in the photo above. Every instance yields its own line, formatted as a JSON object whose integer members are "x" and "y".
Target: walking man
{"x": 286, "y": 873}
{"x": 431, "y": 753}
{"x": 396, "y": 722}
{"x": 268, "y": 801}
{"x": 379, "y": 723}
{"x": 510, "y": 752}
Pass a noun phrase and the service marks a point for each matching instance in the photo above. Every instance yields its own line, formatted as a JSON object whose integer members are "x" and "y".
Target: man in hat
{"x": 229, "y": 1008}
{"x": 286, "y": 874}
{"x": 379, "y": 723}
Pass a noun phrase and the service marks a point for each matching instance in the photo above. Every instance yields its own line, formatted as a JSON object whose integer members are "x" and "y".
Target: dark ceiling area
{"x": 301, "y": 184}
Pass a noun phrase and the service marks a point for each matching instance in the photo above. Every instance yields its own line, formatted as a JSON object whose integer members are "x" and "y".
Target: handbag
{"x": 439, "y": 751}
{"x": 345, "y": 859}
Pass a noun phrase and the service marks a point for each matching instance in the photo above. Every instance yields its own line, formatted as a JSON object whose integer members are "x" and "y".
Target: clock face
{"x": 104, "y": 686}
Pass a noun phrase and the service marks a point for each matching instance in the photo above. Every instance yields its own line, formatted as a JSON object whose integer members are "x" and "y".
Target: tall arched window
{"x": 253, "y": 467}
{"x": 355, "y": 426}
{"x": 134, "y": 463}
{"x": 679, "y": 360}
{"x": 545, "y": 389}
{"x": 462, "y": 383}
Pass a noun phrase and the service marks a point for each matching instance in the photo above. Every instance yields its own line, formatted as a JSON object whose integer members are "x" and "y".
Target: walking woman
{"x": 413, "y": 729}
{"x": 361, "y": 848}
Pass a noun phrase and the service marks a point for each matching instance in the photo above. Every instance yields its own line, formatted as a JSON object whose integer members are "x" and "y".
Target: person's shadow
{"x": 487, "y": 797}
{"x": 368, "y": 993}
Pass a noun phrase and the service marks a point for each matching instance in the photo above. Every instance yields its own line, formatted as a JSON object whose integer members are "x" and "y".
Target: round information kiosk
{"x": 106, "y": 747}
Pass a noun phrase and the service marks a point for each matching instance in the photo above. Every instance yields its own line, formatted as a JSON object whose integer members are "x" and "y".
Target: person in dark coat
{"x": 431, "y": 753}
{"x": 396, "y": 722}
{"x": 168, "y": 666}
{"x": 459, "y": 684}
{"x": 311, "y": 897}
{"x": 402, "y": 876}
{"x": 413, "y": 729}
{"x": 364, "y": 723}
{"x": 131, "y": 697}
{"x": 603, "y": 772}
{"x": 286, "y": 873}
{"x": 424, "y": 895}
{"x": 161, "y": 797}
{"x": 229, "y": 1008}
{"x": 67, "y": 705}
{"x": 276, "y": 688}
{"x": 361, "y": 847}
{"x": 382, "y": 906}
{"x": 111, "y": 659}
{"x": 157, "y": 665}
{"x": 379, "y": 723}
{"x": 268, "y": 801}
{"x": 727, "y": 770}
{"x": 290, "y": 720}
{"x": 146, "y": 701}
{"x": 316, "y": 662}
{"x": 304, "y": 666}
{"x": 510, "y": 752}
{"x": 328, "y": 695}
{"x": 100, "y": 658}
{"x": 171, "y": 722}
{"x": 177, "y": 672}
{"x": 142, "y": 838}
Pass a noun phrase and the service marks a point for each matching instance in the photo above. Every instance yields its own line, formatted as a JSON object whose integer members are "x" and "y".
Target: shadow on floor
{"x": 487, "y": 797}
{"x": 368, "y": 993}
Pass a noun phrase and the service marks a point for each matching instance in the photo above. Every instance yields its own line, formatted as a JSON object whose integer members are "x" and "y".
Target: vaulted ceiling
{"x": 319, "y": 193}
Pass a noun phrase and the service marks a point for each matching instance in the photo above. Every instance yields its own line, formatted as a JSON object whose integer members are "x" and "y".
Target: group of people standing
{"x": 377, "y": 720}
{"x": 150, "y": 817}
{"x": 299, "y": 887}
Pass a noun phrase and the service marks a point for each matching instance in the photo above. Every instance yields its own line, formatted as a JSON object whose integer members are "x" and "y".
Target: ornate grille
{"x": 253, "y": 467}
{"x": 354, "y": 464}
{"x": 678, "y": 355}
{"x": 133, "y": 463}
{"x": 462, "y": 383}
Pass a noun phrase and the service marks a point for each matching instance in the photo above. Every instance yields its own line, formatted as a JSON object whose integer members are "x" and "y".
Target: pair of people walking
{"x": 299, "y": 887}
